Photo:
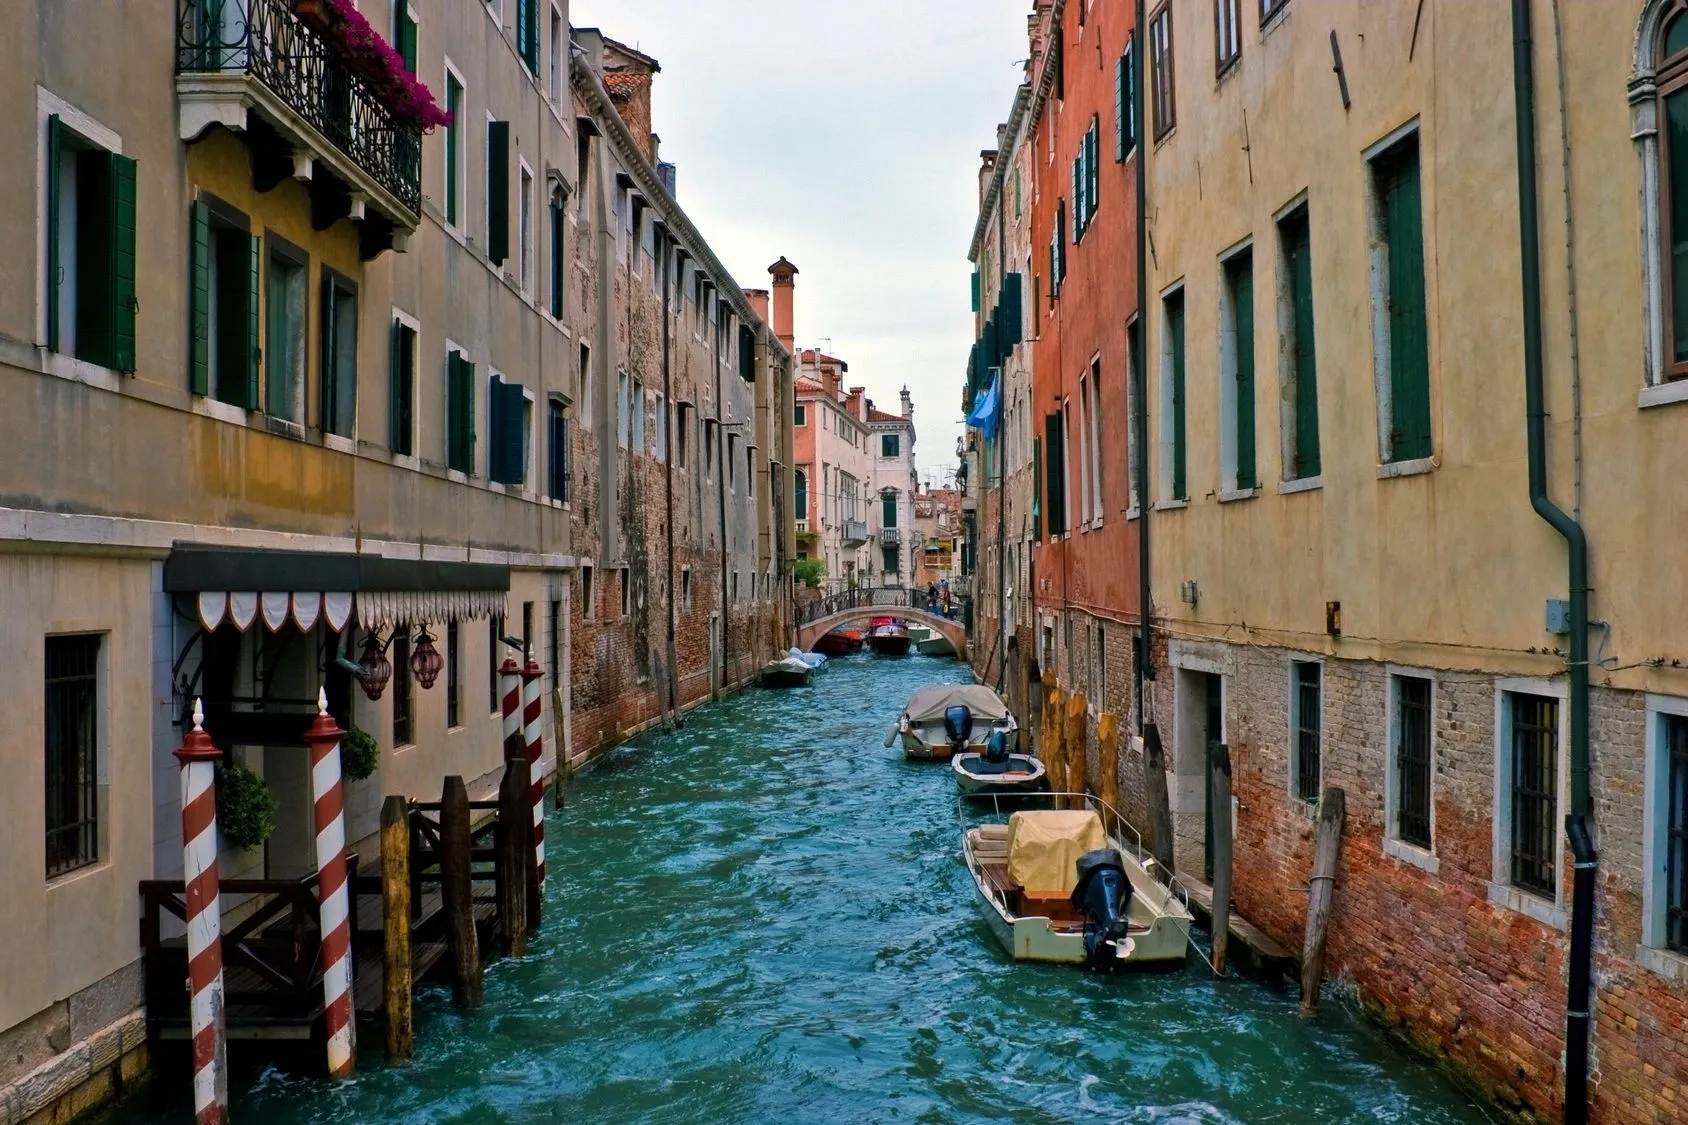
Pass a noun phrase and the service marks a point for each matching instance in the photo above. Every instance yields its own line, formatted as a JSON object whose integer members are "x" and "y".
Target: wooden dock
{"x": 1259, "y": 954}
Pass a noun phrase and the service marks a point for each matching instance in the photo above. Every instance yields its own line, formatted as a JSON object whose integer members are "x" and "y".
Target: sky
{"x": 845, "y": 135}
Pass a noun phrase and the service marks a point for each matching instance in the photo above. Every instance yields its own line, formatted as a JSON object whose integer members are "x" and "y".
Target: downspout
{"x": 671, "y": 708}
{"x": 721, "y": 491}
{"x": 1001, "y": 468}
{"x": 604, "y": 341}
{"x": 1140, "y": 416}
{"x": 1577, "y": 823}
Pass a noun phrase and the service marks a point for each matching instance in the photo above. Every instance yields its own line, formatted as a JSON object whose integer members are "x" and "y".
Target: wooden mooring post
{"x": 515, "y": 850}
{"x": 395, "y": 920}
{"x": 1219, "y": 792}
{"x": 457, "y": 894}
{"x": 1321, "y": 888}
{"x": 1077, "y": 744}
{"x": 1154, "y": 791}
{"x": 1107, "y": 759}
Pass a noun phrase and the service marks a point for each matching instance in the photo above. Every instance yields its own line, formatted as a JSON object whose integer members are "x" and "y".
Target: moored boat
{"x": 947, "y": 719}
{"x": 787, "y": 672}
{"x": 996, "y": 771}
{"x": 841, "y": 641}
{"x": 1056, "y": 886}
{"x": 888, "y": 638}
{"x": 815, "y": 660}
{"x": 934, "y": 644}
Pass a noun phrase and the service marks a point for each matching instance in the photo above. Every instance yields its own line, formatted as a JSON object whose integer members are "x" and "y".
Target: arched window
{"x": 801, "y": 493}
{"x": 1658, "y": 98}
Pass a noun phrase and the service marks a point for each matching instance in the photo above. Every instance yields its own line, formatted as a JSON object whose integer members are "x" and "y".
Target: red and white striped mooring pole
{"x": 532, "y": 734}
{"x": 326, "y": 787}
{"x": 205, "y": 923}
{"x": 510, "y": 698}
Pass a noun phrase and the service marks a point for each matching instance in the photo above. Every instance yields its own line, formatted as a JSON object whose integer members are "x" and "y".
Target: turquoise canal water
{"x": 763, "y": 917}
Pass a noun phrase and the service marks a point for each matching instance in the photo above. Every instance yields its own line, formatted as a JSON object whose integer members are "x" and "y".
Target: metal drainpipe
{"x": 1577, "y": 825}
{"x": 1001, "y": 462}
{"x": 671, "y": 712}
{"x": 721, "y": 487}
{"x": 1140, "y": 416}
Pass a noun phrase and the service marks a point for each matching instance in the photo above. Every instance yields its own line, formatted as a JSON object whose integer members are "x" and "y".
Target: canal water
{"x": 763, "y": 917}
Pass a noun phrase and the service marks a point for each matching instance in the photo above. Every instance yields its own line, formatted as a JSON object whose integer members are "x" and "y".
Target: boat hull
{"x": 838, "y": 644}
{"x": 935, "y": 645}
{"x": 915, "y": 747}
{"x": 890, "y": 645}
{"x": 981, "y": 785}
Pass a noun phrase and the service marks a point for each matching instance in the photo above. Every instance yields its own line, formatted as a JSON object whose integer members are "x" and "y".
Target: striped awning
{"x": 372, "y": 609}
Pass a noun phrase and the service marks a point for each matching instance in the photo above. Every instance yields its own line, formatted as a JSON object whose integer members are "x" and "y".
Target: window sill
{"x": 1414, "y": 856}
{"x": 456, "y": 234}
{"x": 1416, "y": 467}
{"x": 1527, "y": 904}
{"x": 282, "y": 427}
{"x": 406, "y": 461}
{"x": 457, "y": 476}
{"x": 1235, "y": 494}
{"x": 1305, "y": 484}
{"x": 1667, "y": 963}
{"x": 1171, "y": 505}
{"x": 340, "y": 444}
{"x": 1275, "y": 19}
{"x": 76, "y": 875}
{"x": 1133, "y": 512}
{"x": 221, "y": 411}
{"x": 1663, "y": 394}
{"x": 80, "y": 371}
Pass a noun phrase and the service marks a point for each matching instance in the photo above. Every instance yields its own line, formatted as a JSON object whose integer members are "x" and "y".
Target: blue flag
{"x": 986, "y": 408}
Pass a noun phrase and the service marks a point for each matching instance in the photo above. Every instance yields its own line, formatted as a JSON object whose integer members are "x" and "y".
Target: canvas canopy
{"x": 1044, "y": 846}
{"x": 929, "y": 703}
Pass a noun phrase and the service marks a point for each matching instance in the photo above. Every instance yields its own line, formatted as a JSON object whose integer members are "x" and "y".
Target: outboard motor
{"x": 1103, "y": 896}
{"x": 958, "y": 726}
{"x": 995, "y": 759}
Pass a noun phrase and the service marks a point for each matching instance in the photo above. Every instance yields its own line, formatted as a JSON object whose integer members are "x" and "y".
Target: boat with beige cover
{"x": 946, "y": 719}
{"x": 1028, "y": 866}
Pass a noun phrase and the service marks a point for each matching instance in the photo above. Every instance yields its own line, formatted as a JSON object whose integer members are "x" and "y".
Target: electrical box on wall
{"x": 1558, "y": 615}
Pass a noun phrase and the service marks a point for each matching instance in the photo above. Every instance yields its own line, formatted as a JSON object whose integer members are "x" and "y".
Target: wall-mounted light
{"x": 1189, "y": 592}
{"x": 374, "y": 667}
{"x": 425, "y": 659}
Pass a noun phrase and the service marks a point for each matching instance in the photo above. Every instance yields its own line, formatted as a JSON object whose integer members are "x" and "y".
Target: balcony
{"x": 855, "y": 532}
{"x": 889, "y": 537}
{"x": 258, "y": 69}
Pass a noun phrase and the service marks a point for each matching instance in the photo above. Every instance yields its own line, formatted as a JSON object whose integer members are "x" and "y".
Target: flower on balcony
{"x": 381, "y": 67}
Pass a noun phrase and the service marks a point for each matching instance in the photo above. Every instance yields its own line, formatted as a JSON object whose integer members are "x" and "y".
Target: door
{"x": 1212, "y": 732}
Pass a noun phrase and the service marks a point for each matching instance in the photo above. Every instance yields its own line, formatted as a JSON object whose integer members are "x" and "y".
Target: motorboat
{"x": 947, "y": 719}
{"x": 787, "y": 672}
{"x": 888, "y": 638}
{"x": 841, "y": 641}
{"x": 930, "y": 642}
{"x": 815, "y": 660}
{"x": 996, "y": 771}
{"x": 1056, "y": 885}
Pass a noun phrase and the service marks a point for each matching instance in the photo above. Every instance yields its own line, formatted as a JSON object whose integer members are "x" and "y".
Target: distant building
{"x": 938, "y": 531}
{"x": 891, "y": 494}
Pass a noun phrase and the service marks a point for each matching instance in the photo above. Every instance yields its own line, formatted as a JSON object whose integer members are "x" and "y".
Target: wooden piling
{"x": 1107, "y": 759}
{"x": 1321, "y": 887}
{"x": 457, "y": 894}
{"x": 1154, "y": 789}
{"x": 515, "y": 855}
{"x": 395, "y": 916}
{"x": 1032, "y": 722}
{"x": 1219, "y": 792}
{"x": 1077, "y": 741}
{"x": 1054, "y": 722}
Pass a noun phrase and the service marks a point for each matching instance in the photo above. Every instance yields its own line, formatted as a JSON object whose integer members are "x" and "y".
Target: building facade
{"x": 938, "y": 531}
{"x": 833, "y": 459}
{"x": 350, "y": 383}
{"x": 891, "y": 488}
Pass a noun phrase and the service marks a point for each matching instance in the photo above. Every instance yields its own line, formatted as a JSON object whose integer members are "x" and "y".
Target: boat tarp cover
{"x": 927, "y": 705}
{"x": 1044, "y": 846}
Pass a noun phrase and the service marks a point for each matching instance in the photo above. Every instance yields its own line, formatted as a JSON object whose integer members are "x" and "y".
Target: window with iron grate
{"x": 72, "y": 765}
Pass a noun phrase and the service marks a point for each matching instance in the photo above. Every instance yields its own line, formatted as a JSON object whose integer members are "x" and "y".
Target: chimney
{"x": 758, "y": 299}
{"x": 784, "y": 290}
{"x": 908, "y": 403}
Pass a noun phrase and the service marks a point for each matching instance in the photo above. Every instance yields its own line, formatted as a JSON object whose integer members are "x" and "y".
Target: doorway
{"x": 1200, "y": 722}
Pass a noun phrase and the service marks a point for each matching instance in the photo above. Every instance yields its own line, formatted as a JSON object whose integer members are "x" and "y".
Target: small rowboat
{"x": 996, "y": 770}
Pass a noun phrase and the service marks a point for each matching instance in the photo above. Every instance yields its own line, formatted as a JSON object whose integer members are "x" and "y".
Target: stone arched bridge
{"x": 823, "y": 615}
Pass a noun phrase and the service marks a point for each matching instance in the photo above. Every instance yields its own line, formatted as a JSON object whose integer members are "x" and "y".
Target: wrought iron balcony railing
{"x": 855, "y": 533}
{"x": 269, "y": 42}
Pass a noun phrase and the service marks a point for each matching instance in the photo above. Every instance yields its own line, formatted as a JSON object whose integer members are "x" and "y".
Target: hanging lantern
{"x": 425, "y": 659}
{"x": 377, "y": 669}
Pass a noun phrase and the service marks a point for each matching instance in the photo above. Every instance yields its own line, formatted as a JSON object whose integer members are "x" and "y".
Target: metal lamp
{"x": 376, "y": 668}
{"x": 425, "y": 659}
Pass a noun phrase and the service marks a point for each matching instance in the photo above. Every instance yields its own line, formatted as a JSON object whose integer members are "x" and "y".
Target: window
{"x": 888, "y": 509}
{"x": 404, "y": 34}
{"x": 554, "y": 642}
{"x": 1134, "y": 359}
{"x": 1160, "y": 62}
{"x": 494, "y": 648}
{"x": 339, "y": 355}
{"x": 223, "y": 361}
{"x": 401, "y": 388}
{"x": 453, "y": 681}
{"x": 497, "y": 191}
{"x": 525, "y": 228}
{"x": 284, "y": 335}
{"x": 682, "y": 428}
{"x": 588, "y": 596}
{"x": 587, "y": 385}
{"x": 624, "y": 590}
{"x": 558, "y": 274}
{"x": 639, "y": 406}
{"x": 509, "y": 421}
{"x": 1125, "y": 108}
{"x": 659, "y": 428}
{"x": 1676, "y": 840}
{"x": 1660, "y": 130}
{"x": 71, "y": 723}
{"x": 1304, "y": 725}
{"x": 623, "y": 412}
{"x": 1409, "y": 814}
{"x": 1664, "y": 889}
{"x": 686, "y": 588}
{"x": 890, "y": 445}
{"x": 527, "y": 630}
{"x": 1270, "y": 8}
{"x": 799, "y": 415}
{"x": 1531, "y": 790}
{"x": 453, "y": 149}
{"x": 1227, "y": 34}
{"x": 401, "y": 688}
{"x": 1298, "y": 370}
{"x": 1398, "y": 305}
{"x": 559, "y": 56}
{"x": 750, "y": 471}
{"x": 459, "y": 413}
{"x": 89, "y": 290}
{"x": 1086, "y": 179}
{"x": 1172, "y": 397}
{"x": 732, "y": 462}
{"x": 892, "y": 560}
{"x": 800, "y": 495}
{"x": 527, "y": 33}
{"x": 1093, "y": 419}
{"x": 1055, "y": 505}
{"x": 1236, "y": 364}
{"x": 557, "y": 448}
{"x": 1058, "y": 250}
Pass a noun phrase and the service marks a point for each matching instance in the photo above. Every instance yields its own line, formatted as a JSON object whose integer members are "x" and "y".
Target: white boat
{"x": 1055, "y": 885}
{"x": 996, "y": 771}
{"x": 948, "y": 719}
{"x": 812, "y": 659}
{"x": 787, "y": 672}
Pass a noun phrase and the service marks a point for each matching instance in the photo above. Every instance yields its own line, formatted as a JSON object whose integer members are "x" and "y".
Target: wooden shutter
{"x": 1299, "y": 253}
{"x": 254, "y": 350}
{"x": 1012, "y": 308}
{"x": 1055, "y": 474}
{"x": 199, "y": 294}
{"x": 330, "y": 377}
{"x": 404, "y": 34}
{"x": 1409, "y": 359}
{"x": 975, "y": 290}
{"x": 507, "y": 437}
{"x": 558, "y": 279}
{"x": 460, "y": 413}
{"x": 1037, "y": 490}
{"x": 1242, "y": 297}
{"x": 498, "y": 191}
{"x": 123, "y": 296}
{"x": 1175, "y": 335}
{"x": 401, "y": 387}
{"x": 527, "y": 32}
{"x": 1092, "y": 158}
{"x": 50, "y": 284}
{"x": 1119, "y": 106}
{"x": 1057, "y": 48}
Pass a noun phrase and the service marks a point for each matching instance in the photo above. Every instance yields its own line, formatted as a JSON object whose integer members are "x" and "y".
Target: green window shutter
{"x": 50, "y": 284}
{"x": 558, "y": 280}
{"x": 1676, "y": 211}
{"x": 466, "y": 416}
{"x": 1300, "y": 259}
{"x": 1119, "y": 106}
{"x": 404, "y": 34}
{"x": 330, "y": 374}
{"x": 402, "y": 388}
{"x": 1013, "y": 310}
{"x": 199, "y": 316}
{"x": 498, "y": 191}
{"x": 123, "y": 297}
{"x": 975, "y": 290}
{"x": 1054, "y": 448}
{"x": 453, "y": 143}
{"x": 1409, "y": 357}
{"x": 528, "y": 32}
{"x": 513, "y": 433}
{"x": 1175, "y": 336}
{"x": 1092, "y": 147}
{"x": 494, "y": 430}
{"x": 395, "y": 385}
{"x": 1037, "y": 490}
{"x": 254, "y": 350}
{"x": 1242, "y": 296}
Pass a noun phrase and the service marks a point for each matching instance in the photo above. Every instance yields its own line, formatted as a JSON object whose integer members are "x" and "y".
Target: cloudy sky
{"x": 844, "y": 134}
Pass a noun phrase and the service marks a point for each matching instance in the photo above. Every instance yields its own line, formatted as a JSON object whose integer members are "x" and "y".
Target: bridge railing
{"x": 865, "y": 597}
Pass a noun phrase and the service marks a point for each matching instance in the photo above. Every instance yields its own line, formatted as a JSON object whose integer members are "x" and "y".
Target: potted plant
{"x": 359, "y": 753}
{"x": 246, "y": 807}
